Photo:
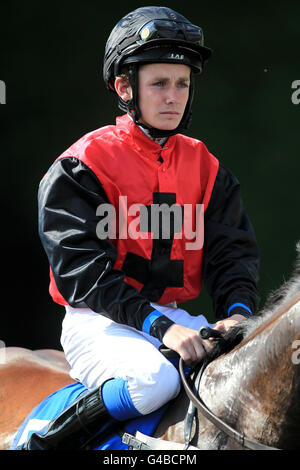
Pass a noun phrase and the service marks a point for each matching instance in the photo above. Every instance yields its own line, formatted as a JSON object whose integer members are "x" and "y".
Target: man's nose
{"x": 171, "y": 95}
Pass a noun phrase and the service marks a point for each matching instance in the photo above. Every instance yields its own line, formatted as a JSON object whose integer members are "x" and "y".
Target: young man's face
{"x": 163, "y": 94}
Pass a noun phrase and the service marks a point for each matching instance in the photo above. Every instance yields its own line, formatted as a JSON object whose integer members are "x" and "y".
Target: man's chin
{"x": 163, "y": 124}
{"x": 168, "y": 125}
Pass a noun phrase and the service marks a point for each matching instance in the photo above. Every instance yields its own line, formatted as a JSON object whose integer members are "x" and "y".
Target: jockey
{"x": 120, "y": 286}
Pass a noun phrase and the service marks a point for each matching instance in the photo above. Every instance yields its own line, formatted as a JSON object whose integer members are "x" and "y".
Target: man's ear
{"x": 123, "y": 88}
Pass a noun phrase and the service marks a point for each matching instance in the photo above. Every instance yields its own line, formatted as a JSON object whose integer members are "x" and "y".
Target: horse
{"x": 251, "y": 383}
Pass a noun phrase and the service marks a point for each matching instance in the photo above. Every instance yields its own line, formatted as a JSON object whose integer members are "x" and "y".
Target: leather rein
{"x": 205, "y": 411}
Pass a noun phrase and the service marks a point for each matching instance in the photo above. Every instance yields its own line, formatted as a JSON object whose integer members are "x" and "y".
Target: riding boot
{"x": 79, "y": 422}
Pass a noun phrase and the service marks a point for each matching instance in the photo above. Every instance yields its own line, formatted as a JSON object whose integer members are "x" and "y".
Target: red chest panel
{"x": 156, "y": 193}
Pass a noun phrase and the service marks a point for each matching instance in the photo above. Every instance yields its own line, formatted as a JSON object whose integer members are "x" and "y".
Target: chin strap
{"x": 158, "y": 133}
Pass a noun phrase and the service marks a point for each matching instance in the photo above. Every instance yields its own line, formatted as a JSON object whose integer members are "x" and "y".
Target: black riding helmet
{"x": 153, "y": 35}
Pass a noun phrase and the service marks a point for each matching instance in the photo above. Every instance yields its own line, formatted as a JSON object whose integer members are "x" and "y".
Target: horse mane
{"x": 274, "y": 303}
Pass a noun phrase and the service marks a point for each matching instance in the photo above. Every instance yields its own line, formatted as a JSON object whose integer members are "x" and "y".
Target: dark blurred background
{"x": 51, "y": 59}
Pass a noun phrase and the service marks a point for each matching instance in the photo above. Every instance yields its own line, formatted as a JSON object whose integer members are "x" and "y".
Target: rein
{"x": 197, "y": 403}
{"x": 221, "y": 425}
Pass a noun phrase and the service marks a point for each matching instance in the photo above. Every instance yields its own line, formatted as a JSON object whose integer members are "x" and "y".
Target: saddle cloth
{"x": 55, "y": 403}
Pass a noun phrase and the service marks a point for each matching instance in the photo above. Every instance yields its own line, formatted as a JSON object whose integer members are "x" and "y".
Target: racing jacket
{"x": 107, "y": 247}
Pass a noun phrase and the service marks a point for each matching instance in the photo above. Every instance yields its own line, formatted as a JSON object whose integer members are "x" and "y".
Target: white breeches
{"x": 99, "y": 349}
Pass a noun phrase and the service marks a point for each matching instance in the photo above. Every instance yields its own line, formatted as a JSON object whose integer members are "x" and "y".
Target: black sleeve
{"x": 82, "y": 264}
{"x": 231, "y": 254}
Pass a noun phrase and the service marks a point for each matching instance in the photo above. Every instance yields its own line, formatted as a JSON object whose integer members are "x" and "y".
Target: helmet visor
{"x": 167, "y": 54}
{"x": 166, "y": 29}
